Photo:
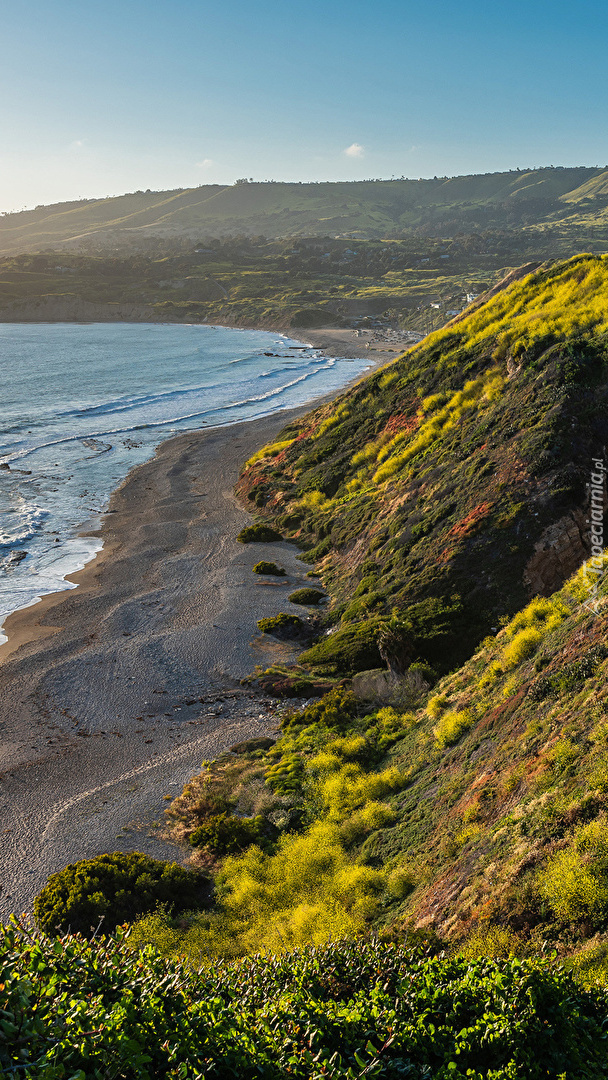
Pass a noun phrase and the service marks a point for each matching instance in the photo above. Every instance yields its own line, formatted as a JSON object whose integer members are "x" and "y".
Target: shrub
{"x": 451, "y": 726}
{"x": 264, "y": 567}
{"x": 118, "y": 887}
{"x": 573, "y": 887}
{"x": 258, "y": 534}
{"x": 335, "y": 710}
{"x": 351, "y": 649}
{"x": 225, "y": 834}
{"x": 282, "y": 626}
{"x": 523, "y": 645}
{"x": 490, "y": 942}
{"x": 286, "y": 776}
{"x": 307, "y": 596}
{"x": 73, "y": 1008}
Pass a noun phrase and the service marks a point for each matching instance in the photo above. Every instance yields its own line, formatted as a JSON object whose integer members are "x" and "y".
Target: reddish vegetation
{"x": 402, "y": 422}
{"x": 469, "y": 523}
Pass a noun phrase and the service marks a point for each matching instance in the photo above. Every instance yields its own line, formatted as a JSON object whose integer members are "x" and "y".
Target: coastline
{"x": 112, "y": 693}
{"x": 341, "y": 343}
{"x": 118, "y": 689}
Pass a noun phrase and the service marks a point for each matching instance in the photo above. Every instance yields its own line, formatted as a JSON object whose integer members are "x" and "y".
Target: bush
{"x": 335, "y": 710}
{"x": 282, "y": 626}
{"x": 573, "y": 889}
{"x": 307, "y": 596}
{"x": 451, "y": 727}
{"x": 264, "y": 567}
{"x": 524, "y": 645}
{"x": 258, "y": 534}
{"x": 225, "y": 834}
{"x": 349, "y": 650}
{"x": 119, "y": 887}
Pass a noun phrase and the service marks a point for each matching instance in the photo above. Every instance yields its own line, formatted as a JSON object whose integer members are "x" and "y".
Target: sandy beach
{"x": 113, "y": 693}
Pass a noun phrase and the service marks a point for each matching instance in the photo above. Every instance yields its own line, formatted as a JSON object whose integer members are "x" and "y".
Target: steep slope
{"x": 479, "y": 813}
{"x": 366, "y": 208}
{"x": 444, "y": 490}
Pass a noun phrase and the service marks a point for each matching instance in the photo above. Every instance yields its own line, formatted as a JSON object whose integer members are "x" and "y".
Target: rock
{"x": 559, "y": 552}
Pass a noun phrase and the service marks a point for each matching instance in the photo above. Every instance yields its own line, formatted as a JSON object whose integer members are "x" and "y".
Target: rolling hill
{"x": 365, "y": 209}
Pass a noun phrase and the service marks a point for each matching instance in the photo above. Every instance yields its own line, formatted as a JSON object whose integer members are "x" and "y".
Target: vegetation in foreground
{"x": 93, "y": 1010}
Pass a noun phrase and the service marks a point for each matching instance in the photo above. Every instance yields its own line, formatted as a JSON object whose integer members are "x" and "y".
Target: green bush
{"x": 347, "y": 651}
{"x": 283, "y": 625}
{"x": 119, "y": 887}
{"x": 451, "y": 726}
{"x": 264, "y": 567}
{"x": 79, "y": 1009}
{"x": 286, "y": 776}
{"x": 258, "y": 534}
{"x": 225, "y": 834}
{"x": 307, "y": 596}
{"x": 335, "y": 710}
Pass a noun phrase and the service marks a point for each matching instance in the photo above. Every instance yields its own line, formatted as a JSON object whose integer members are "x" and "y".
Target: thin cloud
{"x": 355, "y": 150}
{"x": 206, "y": 163}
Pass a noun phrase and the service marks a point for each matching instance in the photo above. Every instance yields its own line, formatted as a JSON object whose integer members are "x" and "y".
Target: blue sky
{"x": 99, "y": 99}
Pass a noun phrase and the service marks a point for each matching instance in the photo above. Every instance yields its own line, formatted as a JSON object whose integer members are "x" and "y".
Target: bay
{"x": 82, "y": 404}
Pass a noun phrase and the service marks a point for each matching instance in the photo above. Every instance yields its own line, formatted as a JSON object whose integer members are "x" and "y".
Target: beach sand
{"x": 113, "y": 693}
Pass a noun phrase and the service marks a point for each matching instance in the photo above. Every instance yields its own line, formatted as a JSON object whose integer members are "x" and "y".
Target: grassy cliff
{"x": 478, "y": 814}
{"x": 440, "y": 493}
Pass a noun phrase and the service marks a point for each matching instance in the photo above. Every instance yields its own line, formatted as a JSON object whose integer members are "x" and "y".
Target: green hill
{"x": 361, "y": 208}
{"x": 449, "y": 486}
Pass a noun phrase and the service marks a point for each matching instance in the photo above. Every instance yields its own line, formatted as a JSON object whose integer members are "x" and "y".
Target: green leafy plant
{"x": 79, "y": 1009}
{"x": 226, "y": 834}
{"x": 116, "y": 888}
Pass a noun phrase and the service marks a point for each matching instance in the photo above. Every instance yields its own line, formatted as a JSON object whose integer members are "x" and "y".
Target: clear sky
{"x": 99, "y": 98}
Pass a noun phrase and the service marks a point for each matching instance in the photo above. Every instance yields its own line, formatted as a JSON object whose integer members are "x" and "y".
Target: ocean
{"x": 80, "y": 405}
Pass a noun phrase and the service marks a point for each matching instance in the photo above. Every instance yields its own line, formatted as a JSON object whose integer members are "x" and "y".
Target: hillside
{"x": 257, "y": 282}
{"x": 372, "y": 208}
{"x": 478, "y": 813}
{"x": 450, "y": 486}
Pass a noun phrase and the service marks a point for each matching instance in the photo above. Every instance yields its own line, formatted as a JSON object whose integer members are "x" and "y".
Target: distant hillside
{"x": 363, "y": 209}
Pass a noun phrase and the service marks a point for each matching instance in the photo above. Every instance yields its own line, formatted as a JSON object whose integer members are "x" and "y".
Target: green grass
{"x": 437, "y": 465}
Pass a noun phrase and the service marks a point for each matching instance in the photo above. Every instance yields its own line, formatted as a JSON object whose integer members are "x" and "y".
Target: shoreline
{"x": 341, "y": 343}
{"x": 112, "y": 693}
{"x": 116, "y": 690}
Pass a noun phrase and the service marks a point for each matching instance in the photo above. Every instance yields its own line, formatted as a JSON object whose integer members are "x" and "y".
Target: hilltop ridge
{"x": 363, "y": 209}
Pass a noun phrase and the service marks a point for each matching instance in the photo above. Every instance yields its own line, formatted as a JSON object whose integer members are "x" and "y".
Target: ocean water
{"x": 80, "y": 405}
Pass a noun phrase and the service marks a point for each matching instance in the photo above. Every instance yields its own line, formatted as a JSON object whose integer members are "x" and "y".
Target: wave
{"x": 29, "y": 521}
{"x": 18, "y": 455}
